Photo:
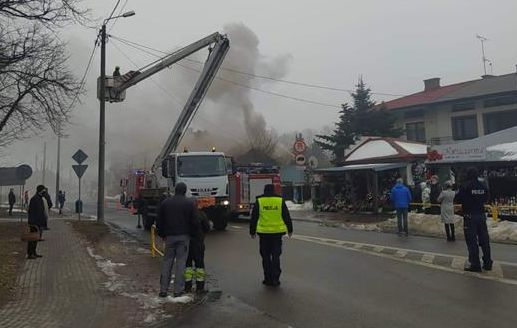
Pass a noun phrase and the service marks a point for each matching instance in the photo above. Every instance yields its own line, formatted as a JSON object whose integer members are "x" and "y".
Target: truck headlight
{"x": 226, "y": 202}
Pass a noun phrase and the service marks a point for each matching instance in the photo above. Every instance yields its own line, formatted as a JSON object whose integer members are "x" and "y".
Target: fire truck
{"x": 205, "y": 173}
{"x": 247, "y": 182}
{"x": 131, "y": 185}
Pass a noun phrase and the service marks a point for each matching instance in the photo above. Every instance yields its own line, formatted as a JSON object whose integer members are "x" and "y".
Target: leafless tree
{"x": 36, "y": 86}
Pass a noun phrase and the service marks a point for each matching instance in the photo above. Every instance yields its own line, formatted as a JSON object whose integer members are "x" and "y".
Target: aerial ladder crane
{"x": 205, "y": 173}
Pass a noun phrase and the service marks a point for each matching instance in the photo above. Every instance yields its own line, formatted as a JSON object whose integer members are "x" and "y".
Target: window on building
{"x": 415, "y": 131}
{"x": 464, "y": 127}
{"x": 414, "y": 113}
{"x": 499, "y": 121}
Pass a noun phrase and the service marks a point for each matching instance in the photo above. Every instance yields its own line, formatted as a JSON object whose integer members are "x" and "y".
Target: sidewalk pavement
{"x": 63, "y": 288}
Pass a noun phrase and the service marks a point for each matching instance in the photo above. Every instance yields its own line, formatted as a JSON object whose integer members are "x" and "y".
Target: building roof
{"x": 385, "y": 150}
{"x": 470, "y": 89}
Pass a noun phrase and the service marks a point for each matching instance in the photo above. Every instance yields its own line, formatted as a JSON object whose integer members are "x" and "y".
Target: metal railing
{"x": 494, "y": 210}
{"x": 154, "y": 249}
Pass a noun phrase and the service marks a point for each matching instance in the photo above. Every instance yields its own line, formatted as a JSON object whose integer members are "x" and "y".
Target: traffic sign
{"x": 300, "y": 159}
{"x": 299, "y": 147}
{"x": 80, "y": 169}
{"x": 313, "y": 162}
{"x": 80, "y": 156}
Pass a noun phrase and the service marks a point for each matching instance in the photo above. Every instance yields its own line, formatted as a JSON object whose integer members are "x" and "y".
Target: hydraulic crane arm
{"x": 212, "y": 65}
{"x": 171, "y": 59}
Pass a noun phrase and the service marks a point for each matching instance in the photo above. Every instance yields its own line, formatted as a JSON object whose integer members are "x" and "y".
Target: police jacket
{"x": 177, "y": 216}
{"x": 472, "y": 196}
{"x": 36, "y": 212}
{"x": 255, "y": 214}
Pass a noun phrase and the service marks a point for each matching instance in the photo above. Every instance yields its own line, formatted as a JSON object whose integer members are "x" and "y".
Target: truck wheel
{"x": 220, "y": 222}
{"x": 148, "y": 222}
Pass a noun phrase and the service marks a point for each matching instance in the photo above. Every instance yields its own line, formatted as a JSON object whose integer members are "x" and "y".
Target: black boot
{"x": 188, "y": 286}
{"x": 200, "y": 286}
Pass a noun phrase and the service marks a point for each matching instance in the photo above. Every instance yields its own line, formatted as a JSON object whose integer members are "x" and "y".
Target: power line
{"x": 86, "y": 71}
{"x": 233, "y": 70}
{"x": 113, "y": 11}
{"x": 119, "y": 13}
{"x": 237, "y": 83}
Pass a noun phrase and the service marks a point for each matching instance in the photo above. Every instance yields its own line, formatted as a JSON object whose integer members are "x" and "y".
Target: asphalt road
{"x": 332, "y": 279}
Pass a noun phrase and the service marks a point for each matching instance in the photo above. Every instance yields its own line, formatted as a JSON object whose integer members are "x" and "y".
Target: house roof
{"x": 469, "y": 89}
{"x": 385, "y": 150}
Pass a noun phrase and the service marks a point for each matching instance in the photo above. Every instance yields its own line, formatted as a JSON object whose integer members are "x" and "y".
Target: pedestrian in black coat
{"x": 36, "y": 219}
{"x": 436, "y": 190}
{"x": 12, "y": 201}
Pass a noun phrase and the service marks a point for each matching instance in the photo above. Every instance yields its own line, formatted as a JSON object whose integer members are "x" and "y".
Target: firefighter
{"x": 472, "y": 196}
{"x": 270, "y": 219}
{"x": 195, "y": 268}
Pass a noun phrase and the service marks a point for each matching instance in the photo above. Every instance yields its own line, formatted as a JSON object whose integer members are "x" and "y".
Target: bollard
{"x": 495, "y": 213}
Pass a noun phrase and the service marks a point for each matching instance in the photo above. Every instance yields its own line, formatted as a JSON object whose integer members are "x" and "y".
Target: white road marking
{"x": 378, "y": 248}
{"x": 453, "y": 269}
{"x": 427, "y": 258}
{"x": 458, "y": 263}
{"x": 400, "y": 253}
{"x": 235, "y": 227}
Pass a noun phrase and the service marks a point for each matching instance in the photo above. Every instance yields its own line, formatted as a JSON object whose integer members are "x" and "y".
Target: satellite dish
{"x": 313, "y": 162}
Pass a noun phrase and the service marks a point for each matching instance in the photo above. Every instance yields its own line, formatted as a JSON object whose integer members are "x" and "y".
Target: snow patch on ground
{"x": 299, "y": 207}
{"x": 117, "y": 284}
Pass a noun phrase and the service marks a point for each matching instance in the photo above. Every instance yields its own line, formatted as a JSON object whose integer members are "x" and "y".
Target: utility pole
{"x": 58, "y": 162}
{"x": 44, "y": 167}
{"x": 102, "y": 126}
{"x": 482, "y": 39}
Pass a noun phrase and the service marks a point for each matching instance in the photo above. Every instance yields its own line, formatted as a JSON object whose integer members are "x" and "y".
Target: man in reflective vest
{"x": 270, "y": 219}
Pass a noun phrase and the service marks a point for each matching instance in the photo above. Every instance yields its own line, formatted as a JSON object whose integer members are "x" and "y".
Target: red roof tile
{"x": 423, "y": 97}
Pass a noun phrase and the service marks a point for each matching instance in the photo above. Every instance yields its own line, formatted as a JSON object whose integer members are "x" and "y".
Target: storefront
{"x": 369, "y": 172}
{"x": 494, "y": 155}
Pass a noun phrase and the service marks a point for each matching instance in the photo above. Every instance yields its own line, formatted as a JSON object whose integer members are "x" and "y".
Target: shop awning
{"x": 363, "y": 167}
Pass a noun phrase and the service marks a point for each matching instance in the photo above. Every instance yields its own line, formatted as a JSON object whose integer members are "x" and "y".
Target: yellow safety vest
{"x": 270, "y": 215}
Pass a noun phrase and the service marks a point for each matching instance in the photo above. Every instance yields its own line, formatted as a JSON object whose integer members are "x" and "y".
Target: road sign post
{"x": 79, "y": 170}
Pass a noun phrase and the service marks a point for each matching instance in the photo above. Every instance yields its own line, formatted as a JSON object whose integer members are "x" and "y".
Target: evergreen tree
{"x": 363, "y": 119}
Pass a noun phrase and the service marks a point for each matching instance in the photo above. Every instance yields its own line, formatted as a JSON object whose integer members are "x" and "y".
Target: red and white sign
{"x": 300, "y": 159}
{"x": 456, "y": 153}
{"x": 299, "y": 147}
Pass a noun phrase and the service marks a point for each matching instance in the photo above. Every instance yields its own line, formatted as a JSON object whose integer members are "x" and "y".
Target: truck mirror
{"x": 168, "y": 167}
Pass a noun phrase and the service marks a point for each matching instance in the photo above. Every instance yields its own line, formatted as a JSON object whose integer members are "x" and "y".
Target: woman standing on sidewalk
{"x": 446, "y": 199}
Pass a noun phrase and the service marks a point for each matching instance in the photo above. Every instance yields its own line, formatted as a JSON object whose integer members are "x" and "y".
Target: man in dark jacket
{"x": 36, "y": 218}
{"x": 196, "y": 256}
{"x": 12, "y": 201}
{"x": 175, "y": 223}
{"x": 270, "y": 219}
{"x": 473, "y": 196}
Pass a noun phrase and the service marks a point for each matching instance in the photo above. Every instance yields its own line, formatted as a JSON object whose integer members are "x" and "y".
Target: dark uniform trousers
{"x": 476, "y": 235}
{"x": 270, "y": 250}
{"x": 196, "y": 255}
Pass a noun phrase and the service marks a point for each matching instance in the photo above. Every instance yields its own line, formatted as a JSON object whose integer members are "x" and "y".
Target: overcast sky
{"x": 393, "y": 44}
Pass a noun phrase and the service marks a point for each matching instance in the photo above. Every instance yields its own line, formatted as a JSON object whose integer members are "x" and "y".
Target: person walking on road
{"x": 36, "y": 219}
{"x": 61, "y": 201}
{"x": 196, "y": 256}
{"x": 270, "y": 219}
{"x": 446, "y": 200}
{"x": 473, "y": 196}
{"x": 175, "y": 223}
{"x": 12, "y": 201}
{"x": 401, "y": 198}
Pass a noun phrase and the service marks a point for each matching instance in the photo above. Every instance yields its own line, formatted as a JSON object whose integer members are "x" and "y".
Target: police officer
{"x": 270, "y": 219}
{"x": 196, "y": 256}
{"x": 472, "y": 196}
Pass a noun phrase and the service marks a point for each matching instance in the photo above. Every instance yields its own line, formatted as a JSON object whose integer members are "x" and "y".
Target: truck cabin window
{"x": 201, "y": 166}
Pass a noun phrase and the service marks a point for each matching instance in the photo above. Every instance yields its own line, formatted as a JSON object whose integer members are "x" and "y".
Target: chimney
{"x": 432, "y": 84}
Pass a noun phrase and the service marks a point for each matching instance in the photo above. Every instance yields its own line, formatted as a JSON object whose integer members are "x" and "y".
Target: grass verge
{"x": 12, "y": 256}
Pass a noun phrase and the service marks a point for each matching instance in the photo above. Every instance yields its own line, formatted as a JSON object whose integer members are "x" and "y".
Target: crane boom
{"x": 116, "y": 86}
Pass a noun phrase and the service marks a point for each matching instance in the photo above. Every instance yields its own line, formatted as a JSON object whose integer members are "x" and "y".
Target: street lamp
{"x": 102, "y": 121}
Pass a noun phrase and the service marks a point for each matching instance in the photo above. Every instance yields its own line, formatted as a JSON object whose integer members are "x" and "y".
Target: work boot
{"x": 162, "y": 294}
{"x": 188, "y": 286}
{"x": 200, "y": 286}
{"x": 472, "y": 269}
{"x": 487, "y": 266}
